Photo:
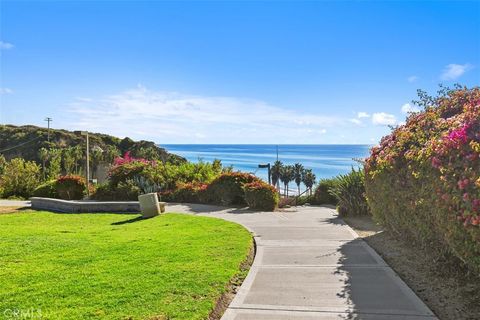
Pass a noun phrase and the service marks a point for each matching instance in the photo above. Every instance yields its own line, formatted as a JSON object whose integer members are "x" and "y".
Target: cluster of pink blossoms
{"x": 127, "y": 158}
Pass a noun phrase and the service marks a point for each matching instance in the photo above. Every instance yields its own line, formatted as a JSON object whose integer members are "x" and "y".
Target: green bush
{"x": 323, "y": 193}
{"x": 423, "y": 180}
{"x": 227, "y": 189}
{"x": 260, "y": 195}
{"x": 186, "y": 193}
{"x": 166, "y": 175}
{"x": 46, "y": 190}
{"x": 349, "y": 189}
{"x": 124, "y": 191}
{"x": 71, "y": 187}
{"x": 19, "y": 178}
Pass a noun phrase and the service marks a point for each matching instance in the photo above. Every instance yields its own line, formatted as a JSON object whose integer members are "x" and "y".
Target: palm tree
{"x": 77, "y": 155}
{"x": 275, "y": 173}
{"x": 287, "y": 174}
{"x": 69, "y": 160}
{"x": 111, "y": 153}
{"x": 54, "y": 163}
{"x": 97, "y": 157}
{"x": 43, "y": 155}
{"x": 298, "y": 173}
{"x": 308, "y": 179}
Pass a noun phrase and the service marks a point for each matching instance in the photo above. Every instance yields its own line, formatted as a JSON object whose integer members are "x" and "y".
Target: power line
{"x": 21, "y": 144}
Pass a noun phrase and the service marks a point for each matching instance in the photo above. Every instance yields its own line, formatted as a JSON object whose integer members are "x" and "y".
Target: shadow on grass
{"x": 119, "y": 223}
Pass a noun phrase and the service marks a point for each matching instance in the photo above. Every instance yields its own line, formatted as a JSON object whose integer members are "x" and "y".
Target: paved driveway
{"x": 310, "y": 265}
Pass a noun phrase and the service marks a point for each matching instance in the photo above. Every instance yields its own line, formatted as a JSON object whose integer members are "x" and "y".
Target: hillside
{"x": 25, "y": 142}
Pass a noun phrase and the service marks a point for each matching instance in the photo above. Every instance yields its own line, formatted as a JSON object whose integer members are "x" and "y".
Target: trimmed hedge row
{"x": 423, "y": 180}
{"x": 232, "y": 188}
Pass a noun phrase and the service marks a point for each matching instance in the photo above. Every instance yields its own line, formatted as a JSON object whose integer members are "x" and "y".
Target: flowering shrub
{"x": 70, "y": 187}
{"x": 260, "y": 195}
{"x": 227, "y": 189}
{"x": 423, "y": 180}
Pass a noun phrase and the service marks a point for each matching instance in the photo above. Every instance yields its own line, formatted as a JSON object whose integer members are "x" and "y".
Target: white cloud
{"x": 383, "y": 119}
{"x": 412, "y": 79}
{"x": 5, "y": 45}
{"x": 355, "y": 120}
{"x": 6, "y": 91}
{"x": 363, "y": 115}
{"x": 173, "y": 117}
{"x": 454, "y": 71}
{"x": 408, "y": 108}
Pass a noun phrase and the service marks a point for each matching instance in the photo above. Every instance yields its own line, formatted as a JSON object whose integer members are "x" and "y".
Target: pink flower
{"x": 436, "y": 163}
{"x": 462, "y": 184}
{"x": 459, "y": 134}
{"x": 466, "y": 196}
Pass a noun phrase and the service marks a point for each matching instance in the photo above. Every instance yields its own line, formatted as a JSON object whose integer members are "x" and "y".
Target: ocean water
{"x": 325, "y": 160}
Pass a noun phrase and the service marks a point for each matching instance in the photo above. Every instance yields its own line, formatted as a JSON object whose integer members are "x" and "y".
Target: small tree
{"x": 69, "y": 160}
{"x": 54, "y": 163}
{"x": 298, "y": 173}
{"x": 43, "y": 155}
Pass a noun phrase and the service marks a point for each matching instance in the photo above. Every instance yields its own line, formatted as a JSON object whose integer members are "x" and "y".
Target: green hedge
{"x": 323, "y": 190}
{"x": 262, "y": 196}
{"x": 227, "y": 189}
{"x": 423, "y": 180}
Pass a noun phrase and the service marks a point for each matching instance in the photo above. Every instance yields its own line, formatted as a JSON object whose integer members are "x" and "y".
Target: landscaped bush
{"x": 260, "y": 195}
{"x": 124, "y": 191}
{"x": 323, "y": 193}
{"x": 349, "y": 190}
{"x": 166, "y": 175}
{"x": 186, "y": 192}
{"x": 71, "y": 187}
{"x": 227, "y": 189}
{"x": 19, "y": 178}
{"x": 423, "y": 180}
{"x": 46, "y": 190}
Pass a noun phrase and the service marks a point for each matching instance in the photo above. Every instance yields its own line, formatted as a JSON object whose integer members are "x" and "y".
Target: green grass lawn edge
{"x": 112, "y": 266}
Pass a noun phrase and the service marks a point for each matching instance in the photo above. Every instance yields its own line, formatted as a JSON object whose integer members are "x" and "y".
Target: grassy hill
{"x": 25, "y": 142}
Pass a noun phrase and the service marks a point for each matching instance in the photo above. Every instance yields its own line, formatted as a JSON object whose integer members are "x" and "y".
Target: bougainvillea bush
{"x": 70, "y": 187}
{"x": 423, "y": 180}
{"x": 260, "y": 195}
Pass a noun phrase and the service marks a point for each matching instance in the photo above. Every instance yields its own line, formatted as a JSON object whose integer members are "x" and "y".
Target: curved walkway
{"x": 311, "y": 265}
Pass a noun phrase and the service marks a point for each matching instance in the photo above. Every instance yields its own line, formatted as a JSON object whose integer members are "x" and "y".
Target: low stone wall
{"x": 84, "y": 206}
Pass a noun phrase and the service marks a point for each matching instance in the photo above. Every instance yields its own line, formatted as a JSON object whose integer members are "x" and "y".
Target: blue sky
{"x": 231, "y": 72}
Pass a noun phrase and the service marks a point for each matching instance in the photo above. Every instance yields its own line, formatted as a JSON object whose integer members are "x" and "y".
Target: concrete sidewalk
{"x": 311, "y": 265}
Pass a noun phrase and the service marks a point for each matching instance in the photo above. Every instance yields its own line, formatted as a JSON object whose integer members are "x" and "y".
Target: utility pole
{"x": 48, "y": 119}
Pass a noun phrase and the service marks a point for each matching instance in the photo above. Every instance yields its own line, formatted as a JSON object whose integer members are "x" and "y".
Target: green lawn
{"x": 87, "y": 266}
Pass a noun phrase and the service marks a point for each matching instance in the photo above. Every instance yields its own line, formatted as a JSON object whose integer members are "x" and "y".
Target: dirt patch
{"x": 234, "y": 285}
{"x": 451, "y": 293}
{"x": 7, "y": 210}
